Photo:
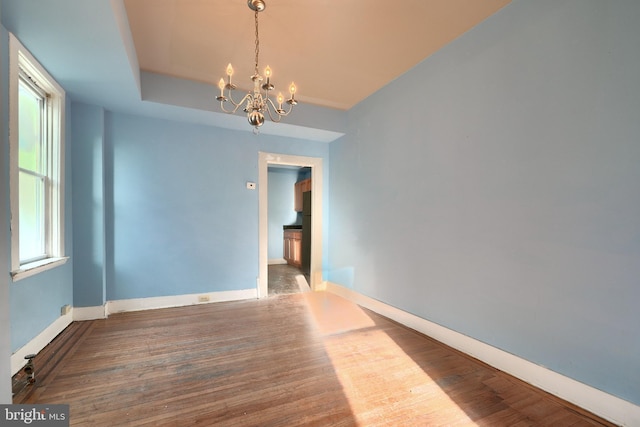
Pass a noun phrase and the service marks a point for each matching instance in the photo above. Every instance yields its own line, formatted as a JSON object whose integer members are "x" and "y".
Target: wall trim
{"x": 137, "y": 304}
{"x": 602, "y": 404}
{"x": 276, "y": 261}
{"x": 89, "y": 313}
{"x": 40, "y": 341}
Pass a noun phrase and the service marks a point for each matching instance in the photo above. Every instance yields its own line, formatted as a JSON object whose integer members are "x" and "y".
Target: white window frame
{"x": 21, "y": 59}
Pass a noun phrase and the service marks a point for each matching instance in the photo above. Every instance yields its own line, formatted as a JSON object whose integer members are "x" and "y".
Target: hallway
{"x": 286, "y": 279}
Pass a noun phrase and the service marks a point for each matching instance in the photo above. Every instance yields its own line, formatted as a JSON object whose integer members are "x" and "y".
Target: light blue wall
{"x": 87, "y": 156}
{"x": 183, "y": 221}
{"x": 281, "y": 207}
{"x": 494, "y": 189}
{"x": 178, "y": 218}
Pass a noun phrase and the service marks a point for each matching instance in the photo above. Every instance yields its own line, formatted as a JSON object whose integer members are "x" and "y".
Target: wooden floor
{"x": 299, "y": 359}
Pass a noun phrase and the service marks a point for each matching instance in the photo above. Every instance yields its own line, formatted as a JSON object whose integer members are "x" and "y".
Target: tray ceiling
{"x": 338, "y": 52}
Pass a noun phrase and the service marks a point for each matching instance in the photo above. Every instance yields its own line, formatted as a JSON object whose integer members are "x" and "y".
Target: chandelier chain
{"x": 257, "y": 43}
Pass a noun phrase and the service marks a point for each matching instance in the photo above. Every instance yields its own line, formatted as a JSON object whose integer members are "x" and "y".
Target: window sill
{"x": 31, "y": 269}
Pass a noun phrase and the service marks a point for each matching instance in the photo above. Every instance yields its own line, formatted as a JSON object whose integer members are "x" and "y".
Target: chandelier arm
{"x": 236, "y": 105}
{"x": 290, "y": 109}
{"x": 225, "y": 110}
{"x": 278, "y": 117}
{"x": 239, "y": 103}
{"x": 279, "y": 111}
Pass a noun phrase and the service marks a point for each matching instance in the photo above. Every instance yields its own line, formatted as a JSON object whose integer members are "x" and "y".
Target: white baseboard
{"x": 40, "y": 341}
{"x": 137, "y": 304}
{"x": 321, "y": 286}
{"x": 602, "y": 404}
{"x": 275, "y": 261}
{"x": 89, "y": 313}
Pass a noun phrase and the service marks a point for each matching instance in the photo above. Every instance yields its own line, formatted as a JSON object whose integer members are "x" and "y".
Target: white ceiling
{"x": 338, "y": 52}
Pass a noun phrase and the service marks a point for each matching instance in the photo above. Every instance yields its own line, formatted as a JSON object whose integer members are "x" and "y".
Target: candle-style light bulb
{"x": 292, "y": 90}
{"x": 229, "y": 85}
{"x": 267, "y": 86}
{"x": 280, "y": 100}
{"x": 221, "y": 86}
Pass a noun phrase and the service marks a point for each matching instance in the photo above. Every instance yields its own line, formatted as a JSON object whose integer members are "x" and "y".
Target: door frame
{"x": 315, "y": 163}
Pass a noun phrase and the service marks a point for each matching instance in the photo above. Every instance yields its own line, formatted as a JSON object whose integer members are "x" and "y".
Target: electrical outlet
{"x": 203, "y": 298}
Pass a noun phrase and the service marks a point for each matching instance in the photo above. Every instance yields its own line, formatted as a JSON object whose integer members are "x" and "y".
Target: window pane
{"x": 30, "y": 129}
{"x": 35, "y": 175}
{"x": 32, "y": 203}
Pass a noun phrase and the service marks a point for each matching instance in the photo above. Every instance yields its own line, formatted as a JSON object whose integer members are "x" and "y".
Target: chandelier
{"x": 257, "y": 103}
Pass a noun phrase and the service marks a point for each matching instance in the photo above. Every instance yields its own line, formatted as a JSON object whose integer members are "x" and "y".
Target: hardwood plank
{"x": 300, "y": 359}
{"x": 48, "y": 359}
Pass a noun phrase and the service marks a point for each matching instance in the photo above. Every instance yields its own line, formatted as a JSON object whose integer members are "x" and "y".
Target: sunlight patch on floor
{"x": 383, "y": 384}
{"x": 334, "y": 315}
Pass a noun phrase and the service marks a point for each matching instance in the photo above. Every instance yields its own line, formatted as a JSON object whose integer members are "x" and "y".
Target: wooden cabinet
{"x": 293, "y": 247}
{"x": 299, "y": 188}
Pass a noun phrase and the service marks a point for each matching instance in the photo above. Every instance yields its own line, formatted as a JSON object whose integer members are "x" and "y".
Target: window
{"x": 36, "y": 129}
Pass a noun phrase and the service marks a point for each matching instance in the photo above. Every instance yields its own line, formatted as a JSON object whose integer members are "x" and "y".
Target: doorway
{"x": 272, "y": 159}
